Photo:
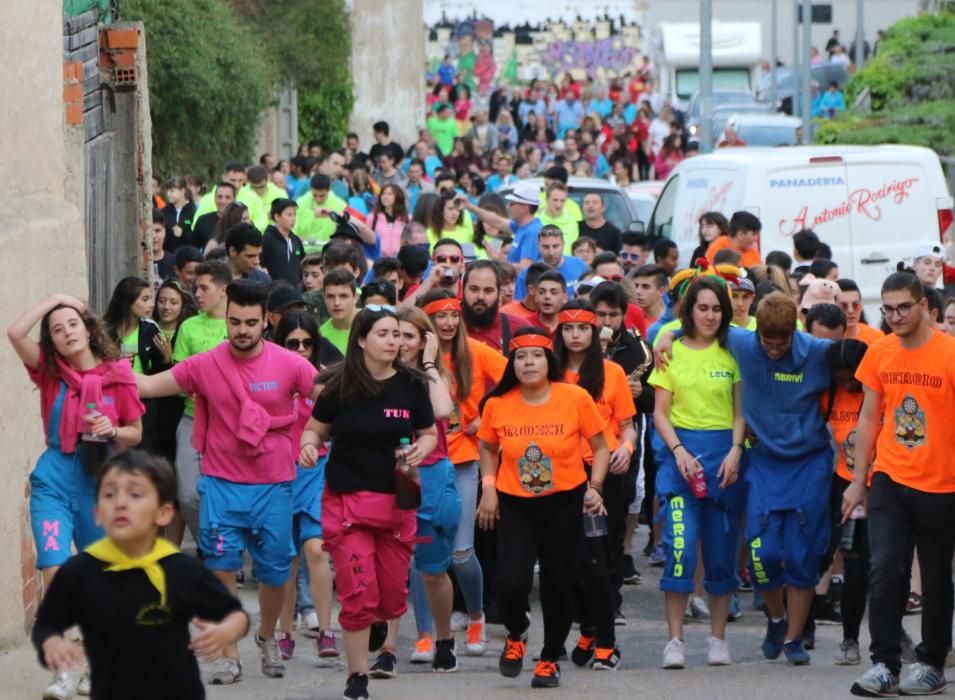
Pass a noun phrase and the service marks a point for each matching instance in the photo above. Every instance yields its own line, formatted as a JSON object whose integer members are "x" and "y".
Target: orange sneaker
{"x": 606, "y": 659}
{"x": 423, "y": 650}
{"x": 477, "y": 638}
{"x": 584, "y": 651}
{"x": 546, "y": 675}
{"x": 512, "y": 658}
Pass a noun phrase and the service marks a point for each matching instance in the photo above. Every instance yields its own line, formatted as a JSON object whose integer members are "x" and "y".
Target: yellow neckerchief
{"x": 106, "y": 551}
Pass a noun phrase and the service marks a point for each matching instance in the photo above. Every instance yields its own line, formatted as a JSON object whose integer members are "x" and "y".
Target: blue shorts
{"x": 307, "y": 503}
{"x": 62, "y": 498}
{"x": 438, "y": 518}
{"x": 236, "y": 517}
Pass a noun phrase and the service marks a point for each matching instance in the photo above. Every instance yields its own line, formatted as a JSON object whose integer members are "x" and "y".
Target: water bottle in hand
{"x": 91, "y": 415}
{"x": 594, "y": 525}
{"x": 407, "y": 480}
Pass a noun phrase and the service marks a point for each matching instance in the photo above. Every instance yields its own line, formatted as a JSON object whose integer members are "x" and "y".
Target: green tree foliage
{"x": 911, "y": 88}
{"x": 310, "y": 44}
{"x": 208, "y": 83}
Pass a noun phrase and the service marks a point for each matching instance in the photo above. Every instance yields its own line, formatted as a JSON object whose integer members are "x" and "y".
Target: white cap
{"x": 524, "y": 193}
{"x": 930, "y": 250}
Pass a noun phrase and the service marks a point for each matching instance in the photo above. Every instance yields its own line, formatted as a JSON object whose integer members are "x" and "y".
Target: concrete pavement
{"x": 641, "y": 641}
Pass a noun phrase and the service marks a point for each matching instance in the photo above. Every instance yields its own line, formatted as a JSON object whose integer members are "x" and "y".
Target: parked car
{"x": 761, "y": 129}
{"x": 621, "y": 212}
{"x": 694, "y": 110}
{"x": 643, "y": 195}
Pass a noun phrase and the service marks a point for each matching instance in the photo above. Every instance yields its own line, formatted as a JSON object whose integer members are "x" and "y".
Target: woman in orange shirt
{"x": 842, "y": 406}
{"x": 472, "y": 367}
{"x": 535, "y": 492}
{"x": 577, "y": 346}
{"x": 849, "y": 300}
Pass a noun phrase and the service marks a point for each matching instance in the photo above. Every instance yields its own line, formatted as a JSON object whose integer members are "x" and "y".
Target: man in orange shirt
{"x": 743, "y": 238}
{"x": 909, "y": 384}
{"x": 526, "y": 308}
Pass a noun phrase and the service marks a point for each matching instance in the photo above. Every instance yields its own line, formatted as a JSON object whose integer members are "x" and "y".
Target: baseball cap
{"x": 589, "y": 284}
{"x": 284, "y": 297}
{"x": 524, "y": 193}
{"x": 927, "y": 249}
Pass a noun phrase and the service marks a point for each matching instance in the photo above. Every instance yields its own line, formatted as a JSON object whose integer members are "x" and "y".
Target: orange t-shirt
{"x": 614, "y": 405}
{"x": 540, "y": 445}
{"x": 843, "y": 421}
{"x": 518, "y": 310}
{"x": 916, "y": 444}
{"x": 866, "y": 334}
{"x": 748, "y": 257}
{"x": 487, "y": 366}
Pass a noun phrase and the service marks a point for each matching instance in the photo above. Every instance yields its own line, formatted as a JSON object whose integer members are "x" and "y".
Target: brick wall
{"x": 28, "y": 571}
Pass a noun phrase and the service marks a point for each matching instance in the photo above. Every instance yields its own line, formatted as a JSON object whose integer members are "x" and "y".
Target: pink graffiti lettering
{"x": 51, "y": 528}
{"x": 862, "y": 201}
{"x": 397, "y": 413}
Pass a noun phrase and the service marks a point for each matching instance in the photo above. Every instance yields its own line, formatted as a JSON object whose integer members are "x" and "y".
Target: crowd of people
{"x": 372, "y": 375}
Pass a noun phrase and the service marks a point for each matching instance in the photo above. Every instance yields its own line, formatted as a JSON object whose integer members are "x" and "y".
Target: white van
{"x": 871, "y": 204}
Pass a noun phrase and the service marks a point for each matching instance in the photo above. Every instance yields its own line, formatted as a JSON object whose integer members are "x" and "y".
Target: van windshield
{"x": 688, "y": 80}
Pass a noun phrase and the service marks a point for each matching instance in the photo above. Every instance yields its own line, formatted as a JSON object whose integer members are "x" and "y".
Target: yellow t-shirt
{"x": 701, "y": 382}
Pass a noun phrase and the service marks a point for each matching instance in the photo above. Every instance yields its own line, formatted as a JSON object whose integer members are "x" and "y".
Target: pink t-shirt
{"x": 274, "y": 379}
{"x": 440, "y": 450}
{"x": 389, "y": 233}
{"x": 305, "y": 408}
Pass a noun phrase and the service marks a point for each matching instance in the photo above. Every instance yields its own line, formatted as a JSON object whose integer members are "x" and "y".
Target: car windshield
{"x": 767, "y": 135}
{"x": 616, "y": 203}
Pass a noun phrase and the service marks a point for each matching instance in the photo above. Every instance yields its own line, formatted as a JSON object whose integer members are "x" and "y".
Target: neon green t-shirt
{"x": 129, "y": 346}
{"x": 701, "y": 382}
{"x": 443, "y": 131}
{"x": 750, "y": 325}
{"x": 198, "y": 334}
{"x": 257, "y": 213}
{"x": 565, "y": 222}
{"x": 463, "y": 233}
{"x": 316, "y": 229}
{"x": 338, "y": 338}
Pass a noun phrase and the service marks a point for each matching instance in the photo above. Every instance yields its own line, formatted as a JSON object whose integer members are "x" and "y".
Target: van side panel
{"x": 702, "y": 190}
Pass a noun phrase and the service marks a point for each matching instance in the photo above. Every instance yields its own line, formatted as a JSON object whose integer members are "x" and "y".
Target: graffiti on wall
{"x": 597, "y": 57}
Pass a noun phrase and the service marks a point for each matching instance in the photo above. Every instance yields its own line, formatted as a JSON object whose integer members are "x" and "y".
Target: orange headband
{"x": 577, "y": 316}
{"x": 531, "y": 340}
{"x": 439, "y": 305}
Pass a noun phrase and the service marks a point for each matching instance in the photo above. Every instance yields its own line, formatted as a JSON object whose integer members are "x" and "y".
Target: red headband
{"x": 577, "y": 316}
{"x": 439, "y": 305}
{"x": 531, "y": 340}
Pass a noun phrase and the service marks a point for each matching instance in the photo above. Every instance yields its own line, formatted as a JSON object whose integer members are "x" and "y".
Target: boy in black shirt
{"x": 133, "y": 595}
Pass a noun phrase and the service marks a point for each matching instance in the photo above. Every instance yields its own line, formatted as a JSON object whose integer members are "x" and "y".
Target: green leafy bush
{"x": 208, "y": 83}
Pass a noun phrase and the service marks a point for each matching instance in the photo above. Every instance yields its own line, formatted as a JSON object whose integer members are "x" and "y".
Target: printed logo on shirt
{"x": 263, "y": 386}
{"x": 788, "y": 378}
{"x": 398, "y": 413}
{"x": 910, "y": 423}
{"x": 849, "y": 450}
{"x": 720, "y": 374}
{"x": 932, "y": 381}
{"x": 535, "y": 470}
{"x": 454, "y": 420}
{"x": 154, "y": 614}
{"x": 51, "y": 530}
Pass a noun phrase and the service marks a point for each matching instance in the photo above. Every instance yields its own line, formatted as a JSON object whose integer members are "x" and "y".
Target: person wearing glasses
{"x": 447, "y": 267}
{"x": 309, "y": 588}
{"x": 789, "y": 472}
{"x": 368, "y": 405}
{"x": 849, "y": 299}
{"x": 536, "y": 493}
{"x": 634, "y": 251}
{"x": 908, "y": 380}
{"x": 550, "y": 245}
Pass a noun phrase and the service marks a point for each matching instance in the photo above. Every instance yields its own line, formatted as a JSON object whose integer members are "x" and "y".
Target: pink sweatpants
{"x": 370, "y": 542}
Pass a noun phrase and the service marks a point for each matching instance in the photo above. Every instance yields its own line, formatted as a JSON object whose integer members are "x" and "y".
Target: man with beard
{"x": 480, "y": 308}
{"x": 248, "y": 389}
{"x": 623, "y": 493}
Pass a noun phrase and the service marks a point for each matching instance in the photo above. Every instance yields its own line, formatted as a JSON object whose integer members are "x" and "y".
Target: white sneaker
{"x": 309, "y": 625}
{"x": 459, "y": 621}
{"x": 673, "y": 656}
{"x": 84, "y": 686}
{"x": 719, "y": 653}
{"x": 63, "y": 686}
{"x": 698, "y": 608}
{"x": 225, "y": 671}
{"x": 477, "y": 638}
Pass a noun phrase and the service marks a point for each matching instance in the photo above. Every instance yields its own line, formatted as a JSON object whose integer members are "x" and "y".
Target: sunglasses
{"x": 381, "y": 308}
{"x": 615, "y": 278}
{"x": 453, "y": 259}
{"x": 630, "y": 256}
{"x": 294, "y": 344}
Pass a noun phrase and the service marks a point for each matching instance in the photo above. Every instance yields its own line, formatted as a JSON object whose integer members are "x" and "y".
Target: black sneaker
{"x": 546, "y": 675}
{"x": 512, "y": 658}
{"x": 606, "y": 659}
{"x": 445, "y": 660}
{"x": 630, "y": 573}
{"x": 356, "y": 687}
{"x": 377, "y": 635}
{"x": 385, "y": 666}
{"x": 584, "y": 651}
{"x": 827, "y": 614}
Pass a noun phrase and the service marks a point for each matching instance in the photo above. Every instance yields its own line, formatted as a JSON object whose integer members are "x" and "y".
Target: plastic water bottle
{"x": 848, "y": 540}
{"x": 698, "y": 484}
{"x": 407, "y": 481}
{"x": 594, "y": 525}
{"x": 91, "y": 415}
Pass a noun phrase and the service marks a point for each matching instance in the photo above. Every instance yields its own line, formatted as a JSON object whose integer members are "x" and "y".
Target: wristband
{"x": 115, "y": 433}
{"x": 740, "y": 446}
{"x": 489, "y": 481}
{"x": 598, "y": 487}
{"x": 429, "y": 365}
{"x": 629, "y": 447}
{"x": 673, "y": 449}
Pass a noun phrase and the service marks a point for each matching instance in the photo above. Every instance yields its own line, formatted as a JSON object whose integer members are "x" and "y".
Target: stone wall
{"x": 41, "y": 236}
